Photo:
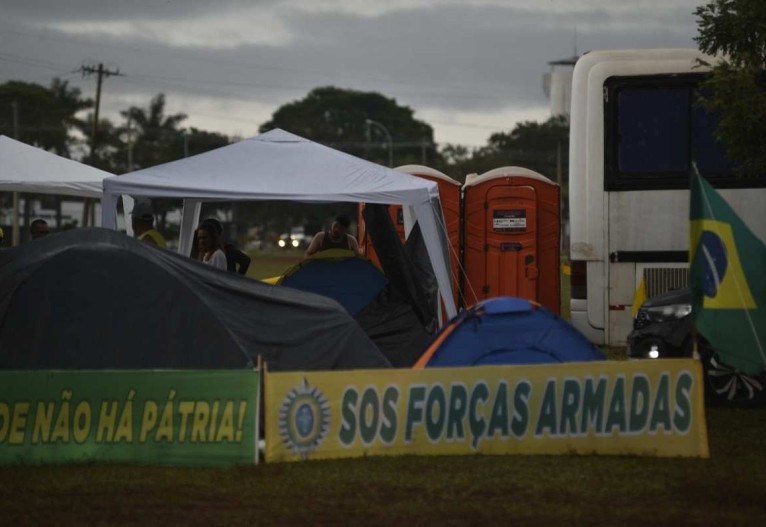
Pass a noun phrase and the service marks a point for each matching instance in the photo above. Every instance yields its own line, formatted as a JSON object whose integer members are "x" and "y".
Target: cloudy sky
{"x": 467, "y": 67}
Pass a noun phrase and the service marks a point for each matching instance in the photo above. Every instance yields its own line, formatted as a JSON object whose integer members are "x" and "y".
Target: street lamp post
{"x": 370, "y": 122}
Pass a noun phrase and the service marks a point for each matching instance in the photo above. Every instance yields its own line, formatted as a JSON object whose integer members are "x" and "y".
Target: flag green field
{"x": 727, "y": 263}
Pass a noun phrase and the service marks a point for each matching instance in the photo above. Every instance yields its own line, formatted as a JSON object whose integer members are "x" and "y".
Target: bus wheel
{"x": 727, "y": 386}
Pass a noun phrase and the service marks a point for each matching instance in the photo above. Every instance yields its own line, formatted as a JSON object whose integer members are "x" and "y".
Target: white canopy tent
{"x": 278, "y": 165}
{"x": 25, "y": 168}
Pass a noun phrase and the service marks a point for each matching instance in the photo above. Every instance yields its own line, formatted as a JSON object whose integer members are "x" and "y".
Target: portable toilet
{"x": 365, "y": 243}
{"x": 511, "y": 229}
{"x": 449, "y": 195}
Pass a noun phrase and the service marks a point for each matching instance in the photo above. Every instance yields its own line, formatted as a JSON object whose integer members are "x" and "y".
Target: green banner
{"x": 200, "y": 418}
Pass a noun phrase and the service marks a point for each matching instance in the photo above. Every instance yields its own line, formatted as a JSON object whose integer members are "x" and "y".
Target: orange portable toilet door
{"x": 365, "y": 243}
{"x": 511, "y": 242}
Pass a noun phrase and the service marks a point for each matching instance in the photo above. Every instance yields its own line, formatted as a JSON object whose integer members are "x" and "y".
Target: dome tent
{"x": 350, "y": 280}
{"x": 97, "y": 299}
{"x": 507, "y": 330}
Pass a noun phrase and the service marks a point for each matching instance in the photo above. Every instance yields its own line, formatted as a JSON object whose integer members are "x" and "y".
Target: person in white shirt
{"x": 210, "y": 246}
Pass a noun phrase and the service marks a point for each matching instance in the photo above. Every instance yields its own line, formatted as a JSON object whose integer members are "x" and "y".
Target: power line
{"x": 427, "y": 85}
{"x": 37, "y": 63}
{"x": 162, "y": 80}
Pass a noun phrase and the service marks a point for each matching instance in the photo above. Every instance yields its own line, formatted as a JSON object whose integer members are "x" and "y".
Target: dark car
{"x": 663, "y": 327}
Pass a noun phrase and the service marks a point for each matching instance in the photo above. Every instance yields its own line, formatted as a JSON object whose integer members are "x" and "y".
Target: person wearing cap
{"x": 336, "y": 238}
{"x": 38, "y": 229}
{"x": 142, "y": 219}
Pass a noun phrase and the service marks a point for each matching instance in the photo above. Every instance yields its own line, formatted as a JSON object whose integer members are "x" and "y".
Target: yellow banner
{"x": 653, "y": 408}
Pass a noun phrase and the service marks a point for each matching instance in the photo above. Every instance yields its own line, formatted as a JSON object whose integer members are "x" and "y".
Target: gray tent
{"x": 96, "y": 299}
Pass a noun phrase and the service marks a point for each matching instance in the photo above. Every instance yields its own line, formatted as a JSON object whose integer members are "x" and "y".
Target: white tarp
{"x": 25, "y": 168}
{"x": 278, "y": 165}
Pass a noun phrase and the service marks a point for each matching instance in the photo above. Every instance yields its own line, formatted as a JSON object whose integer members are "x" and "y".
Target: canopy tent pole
{"x": 109, "y": 210}
{"x": 127, "y": 207}
{"x": 15, "y": 230}
{"x": 436, "y": 245}
{"x": 189, "y": 220}
{"x": 408, "y": 215}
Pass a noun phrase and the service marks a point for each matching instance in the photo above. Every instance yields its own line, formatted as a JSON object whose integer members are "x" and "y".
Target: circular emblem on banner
{"x": 716, "y": 262}
{"x": 304, "y": 419}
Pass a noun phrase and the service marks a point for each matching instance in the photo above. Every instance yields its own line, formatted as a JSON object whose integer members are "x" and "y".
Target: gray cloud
{"x": 51, "y": 11}
{"x": 432, "y": 56}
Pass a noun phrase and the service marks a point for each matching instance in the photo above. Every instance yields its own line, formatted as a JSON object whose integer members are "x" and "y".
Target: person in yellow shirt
{"x": 142, "y": 219}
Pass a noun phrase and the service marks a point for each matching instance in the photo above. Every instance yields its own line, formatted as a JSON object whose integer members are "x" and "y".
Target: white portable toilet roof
{"x": 472, "y": 180}
{"x": 421, "y": 170}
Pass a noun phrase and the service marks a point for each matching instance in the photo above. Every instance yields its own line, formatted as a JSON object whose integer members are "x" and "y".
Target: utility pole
{"x": 100, "y": 73}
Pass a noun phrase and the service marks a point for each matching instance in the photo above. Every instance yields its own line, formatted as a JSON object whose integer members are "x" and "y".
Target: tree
{"x": 735, "y": 30}
{"x": 156, "y": 136}
{"x": 542, "y": 147}
{"x": 193, "y": 141}
{"x": 68, "y": 102}
{"x": 110, "y": 142}
{"x": 338, "y": 118}
{"x": 45, "y": 115}
{"x": 150, "y": 137}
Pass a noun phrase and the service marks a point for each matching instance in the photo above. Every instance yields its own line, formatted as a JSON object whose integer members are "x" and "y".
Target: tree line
{"x": 58, "y": 118}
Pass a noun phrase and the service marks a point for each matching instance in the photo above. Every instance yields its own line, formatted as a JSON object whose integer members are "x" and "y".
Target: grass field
{"x": 728, "y": 488}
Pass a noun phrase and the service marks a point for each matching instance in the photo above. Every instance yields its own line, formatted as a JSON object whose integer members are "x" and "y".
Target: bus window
{"x": 708, "y": 151}
{"x": 653, "y": 131}
{"x": 655, "y": 128}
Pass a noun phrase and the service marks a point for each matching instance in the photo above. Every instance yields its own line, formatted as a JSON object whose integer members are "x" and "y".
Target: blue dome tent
{"x": 351, "y": 281}
{"x": 507, "y": 330}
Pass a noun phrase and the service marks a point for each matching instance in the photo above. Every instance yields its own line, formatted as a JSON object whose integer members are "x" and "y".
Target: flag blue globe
{"x": 716, "y": 261}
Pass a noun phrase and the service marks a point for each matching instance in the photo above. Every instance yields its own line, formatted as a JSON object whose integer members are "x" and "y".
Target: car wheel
{"x": 727, "y": 386}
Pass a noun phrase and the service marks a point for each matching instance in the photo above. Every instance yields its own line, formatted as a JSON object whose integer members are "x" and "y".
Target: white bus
{"x": 635, "y": 127}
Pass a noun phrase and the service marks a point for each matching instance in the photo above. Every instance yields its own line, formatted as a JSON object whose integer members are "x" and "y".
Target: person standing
{"x": 209, "y": 246}
{"x": 142, "y": 219}
{"x": 335, "y": 238}
{"x": 236, "y": 260}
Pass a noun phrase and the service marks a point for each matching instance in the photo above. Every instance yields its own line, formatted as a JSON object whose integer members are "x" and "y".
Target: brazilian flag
{"x": 728, "y": 280}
